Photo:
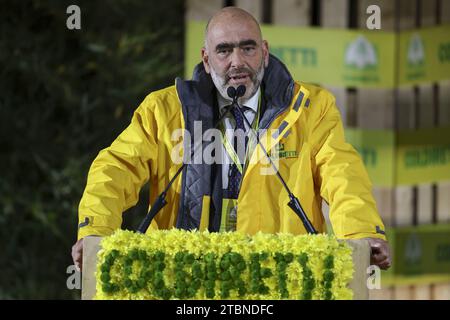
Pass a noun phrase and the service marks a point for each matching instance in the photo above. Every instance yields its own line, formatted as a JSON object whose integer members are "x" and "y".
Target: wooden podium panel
{"x": 361, "y": 260}
{"x": 91, "y": 246}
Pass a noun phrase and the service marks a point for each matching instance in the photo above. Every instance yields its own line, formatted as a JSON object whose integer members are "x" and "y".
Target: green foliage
{"x": 65, "y": 95}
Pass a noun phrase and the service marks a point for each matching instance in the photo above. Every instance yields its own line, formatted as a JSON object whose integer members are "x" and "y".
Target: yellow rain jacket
{"x": 304, "y": 134}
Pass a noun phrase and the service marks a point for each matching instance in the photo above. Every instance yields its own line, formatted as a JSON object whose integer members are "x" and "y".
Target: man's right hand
{"x": 77, "y": 254}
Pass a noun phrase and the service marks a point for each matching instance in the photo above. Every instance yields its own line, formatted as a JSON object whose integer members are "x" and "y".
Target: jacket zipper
{"x": 272, "y": 119}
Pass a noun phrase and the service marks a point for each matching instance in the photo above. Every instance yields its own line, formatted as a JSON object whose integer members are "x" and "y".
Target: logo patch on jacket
{"x": 280, "y": 152}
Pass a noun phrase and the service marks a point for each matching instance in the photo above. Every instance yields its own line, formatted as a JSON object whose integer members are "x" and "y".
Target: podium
{"x": 360, "y": 256}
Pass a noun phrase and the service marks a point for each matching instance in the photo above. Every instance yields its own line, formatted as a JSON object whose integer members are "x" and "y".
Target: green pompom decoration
{"x": 224, "y": 264}
{"x": 210, "y": 284}
{"x": 106, "y": 287}
{"x": 278, "y": 257}
{"x": 265, "y": 273}
{"x": 160, "y": 255}
{"x": 211, "y": 267}
{"x": 166, "y": 294}
{"x": 128, "y": 270}
{"x": 303, "y": 259}
{"x": 281, "y": 266}
{"x": 235, "y": 258}
{"x": 128, "y": 283}
{"x": 105, "y": 267}
{"x": 191, "y": 292}
{"x": 158, "y": 283}
{"x": 329, "y": 262}
{"x": 328, "y": 276}
{"x": 179, "y": 292}
{"x": 142, "y": 255}
{"x": 210, "y": 257}
{"x": 105, "y": 277}
{"x": 309, "y": 285}
{"x": 263, "y": 256}
{"x": 114, "y": 253}
{"x": 128, "y": 261}
{"x": 263, "y": 289}
{"x": 210, "y": 293}
{"x": 225, "y": 276}
{"x": 234, "y": 273}
{"x": 160, "y": 266}
{"x": 241, "y": 266}
{"x": 179, "y": 256}
{"x": 141, "y": 283}
{"x": 289, "y": 257}
{"x": 134, "y": 254}
{"x": 189, "y": 258}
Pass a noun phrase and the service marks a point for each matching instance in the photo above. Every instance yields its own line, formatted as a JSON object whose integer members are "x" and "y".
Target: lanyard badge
{"x": 229, "y": 206}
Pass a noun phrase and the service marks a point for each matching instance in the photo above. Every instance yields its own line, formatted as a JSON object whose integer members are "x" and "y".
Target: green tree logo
{"x": 416, "y": 52}
{"x": 361, "y": 54}
{"x": 413, "y": 250}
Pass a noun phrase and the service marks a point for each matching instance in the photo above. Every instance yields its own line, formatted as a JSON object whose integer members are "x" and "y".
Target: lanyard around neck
{"x": 251, "y": 142}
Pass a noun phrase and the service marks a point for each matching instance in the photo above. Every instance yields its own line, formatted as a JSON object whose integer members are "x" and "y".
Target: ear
{"x": 265, "y": 47}
{"x": 205, "y": 60}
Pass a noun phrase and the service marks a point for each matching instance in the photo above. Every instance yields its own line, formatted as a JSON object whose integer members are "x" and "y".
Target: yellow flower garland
{"x": 178, "y": 264}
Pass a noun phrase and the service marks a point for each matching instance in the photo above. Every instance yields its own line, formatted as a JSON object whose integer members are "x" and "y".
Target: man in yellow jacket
{"x": 303, "y": 131}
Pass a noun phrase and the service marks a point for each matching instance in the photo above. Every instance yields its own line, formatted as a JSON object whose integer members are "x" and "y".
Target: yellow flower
{"x": 133, "y": 276}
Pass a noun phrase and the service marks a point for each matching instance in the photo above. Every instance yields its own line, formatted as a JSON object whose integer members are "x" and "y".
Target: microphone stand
{"x": 294, "y": 203}
{"x": 160, "y": 202}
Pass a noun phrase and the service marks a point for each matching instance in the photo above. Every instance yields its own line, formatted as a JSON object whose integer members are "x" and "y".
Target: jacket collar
{"x": 277, "y": 87}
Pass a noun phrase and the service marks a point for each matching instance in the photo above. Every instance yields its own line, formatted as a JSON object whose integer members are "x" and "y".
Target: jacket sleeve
{"x": 343, "y": 179}
{"x": 118, "y": 173}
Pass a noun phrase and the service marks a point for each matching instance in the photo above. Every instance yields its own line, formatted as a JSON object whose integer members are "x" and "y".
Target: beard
{"x": 222, "y": 81}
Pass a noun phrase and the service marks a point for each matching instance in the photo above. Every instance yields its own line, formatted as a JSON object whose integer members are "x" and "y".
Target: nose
{"x": 237, "y": 60}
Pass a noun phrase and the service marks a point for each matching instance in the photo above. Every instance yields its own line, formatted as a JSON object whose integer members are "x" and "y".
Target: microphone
{"x": 294, "y": 203}
{"x": 160, "y": 202}
{"x": 234, "y": 93}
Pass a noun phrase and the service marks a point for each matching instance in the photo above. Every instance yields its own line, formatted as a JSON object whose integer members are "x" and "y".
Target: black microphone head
{"x": 231, "y": 91}
{"x": 240, "y": 91}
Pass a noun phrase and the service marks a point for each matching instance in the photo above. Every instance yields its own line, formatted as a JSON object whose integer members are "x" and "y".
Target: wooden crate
{"x": 443, "y": 119}
{"x": 407, "y": 197}
{"x": 200, "y": 10}
{"x": 441, "y": 291}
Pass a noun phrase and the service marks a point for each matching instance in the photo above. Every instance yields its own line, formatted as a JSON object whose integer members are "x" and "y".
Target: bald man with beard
{"x": 232, "y": 195}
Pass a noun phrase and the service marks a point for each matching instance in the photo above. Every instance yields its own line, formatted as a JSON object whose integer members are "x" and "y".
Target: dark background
{"x": 64, "y": 96}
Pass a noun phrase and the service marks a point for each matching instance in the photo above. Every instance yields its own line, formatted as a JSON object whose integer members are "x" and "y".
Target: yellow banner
{"x": 349, "y": 58}
{"x": 424, "y": 55}
{"x": 334, "y": 57}
{"x": 423, "y": 156}
{"x": 377, "y": 150}
{"x": 405, "y": 158}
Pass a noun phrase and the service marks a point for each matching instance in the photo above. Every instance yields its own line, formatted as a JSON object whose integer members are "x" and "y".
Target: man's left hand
{"x": 379, "y": 253}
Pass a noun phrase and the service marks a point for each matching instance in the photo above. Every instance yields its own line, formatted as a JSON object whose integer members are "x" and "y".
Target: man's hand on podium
{"x": 379, "y": 253}
{"x": 77, "y": 254}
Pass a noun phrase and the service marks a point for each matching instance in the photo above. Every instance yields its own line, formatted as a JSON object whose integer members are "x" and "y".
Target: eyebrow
{"x": 231, "y": 45}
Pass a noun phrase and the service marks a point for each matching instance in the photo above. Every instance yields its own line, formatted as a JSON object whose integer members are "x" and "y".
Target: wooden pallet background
{"x": 408, "y": 107}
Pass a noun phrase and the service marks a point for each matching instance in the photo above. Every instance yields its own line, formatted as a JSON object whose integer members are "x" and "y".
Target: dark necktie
{"x": 234, "y": 176}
